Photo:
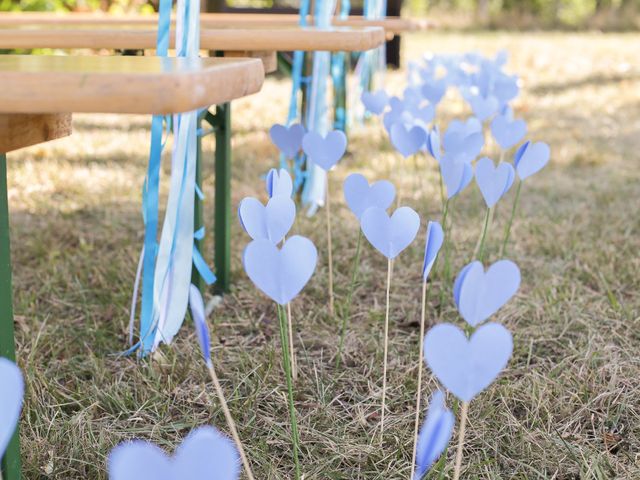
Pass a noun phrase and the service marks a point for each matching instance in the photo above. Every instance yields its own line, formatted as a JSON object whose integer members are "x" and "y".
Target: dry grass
{"x": 568, "y": 406}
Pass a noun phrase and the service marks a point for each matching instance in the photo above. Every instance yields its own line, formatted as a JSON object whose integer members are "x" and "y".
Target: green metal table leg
{"x": 11, "y": 462}
{"x": 222, "y": 233}
{"x": 198, "y": 219}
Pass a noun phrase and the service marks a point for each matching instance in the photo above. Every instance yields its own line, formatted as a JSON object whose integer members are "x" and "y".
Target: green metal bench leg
{"x": 198, "y": 219}
{"x": 11, "y": 462}
{"x": 222, "y": 233}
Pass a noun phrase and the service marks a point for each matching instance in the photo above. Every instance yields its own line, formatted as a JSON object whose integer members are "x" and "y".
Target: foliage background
{"x": 468, "y": 14}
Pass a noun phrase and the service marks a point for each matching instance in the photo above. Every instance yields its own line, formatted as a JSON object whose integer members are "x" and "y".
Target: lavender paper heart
{"x": 271, "y": 222}
{"x": 360, "y": 196}
{"x": 508, "y": 132}
{"x": 407, "y": 141}
{"x": 287, "y": 139}
{"x": 530, "y": 158}
{"x": 390, "y": 235}
{"x": 11, "y": 393}
{"x": 375, "y": 102}
{"x": 493, "y": 181}
{"x": 325, "y": 151}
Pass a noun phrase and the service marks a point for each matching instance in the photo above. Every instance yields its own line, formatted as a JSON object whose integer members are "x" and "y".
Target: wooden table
{"x": 38, "y": 95}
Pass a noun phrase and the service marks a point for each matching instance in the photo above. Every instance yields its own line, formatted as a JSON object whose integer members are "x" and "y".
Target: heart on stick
{"x": 457, "y": 173}
{"x": 493, "y": 181}
{"x": 434, "y": 90}
{"x": 390, "y": 235}
{"x": 435, "y": 237}
{"x": 479, "y": 294}
{"x": 375, "y": 102}
{"x": 483, "y": 107}
{"x": 325, "y": 151}
{"x": 205, "y": 453}
{"x": 287, "y": 139}
{"x": 530, "y": 158}
{"x": 11, "y": 393}
{"x": 280, "y": 273}
{"x": 466, "y": 366}
{"x": 407, "y": 141}
{"x": 271, "y": 222}
{"x": 279, "y": 183}
{"x": 508, "y": 132}
{"x": 359, "y": 195}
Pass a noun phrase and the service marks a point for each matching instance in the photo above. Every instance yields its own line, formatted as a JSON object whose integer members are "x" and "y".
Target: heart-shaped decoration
{"x": 435, "y": 434}
{"x": 280, "y": 273}
{"x": 279, "y": 183}
{"x": 375, "y": 102}
{"x": 359, "y": 195}
{"x": 478, "y": 295}
{"x": 464, "y": 139}
{"x": 288, "y": 140}
{"x": 434, "y": 90}
{"x": 11, "y": 393}
{"x": 435, "y": 237}
{"x": 483, "y": 107}
{"x": 203, "y": 455}
{"x": 493, "y": 182}
{"x": 394, "y": 115}
{"x": 270, "y": 223}
{"x": 407, "y": 141}
{"x": 508, "y": 132}
{"x": 456, "y": 172}
{"x": 433, "y": 144}
{"x": 467, "y": 366}
{"x": 530, "y": 158}
{"x": 390, "y": 235}
{"x": 325, "y": 151}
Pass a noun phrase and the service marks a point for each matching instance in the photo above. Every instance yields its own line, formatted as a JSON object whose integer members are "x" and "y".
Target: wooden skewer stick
{"x": 386, "y": 349}
{"x": 328, "y": 209}
{"x": 463, "y": 425}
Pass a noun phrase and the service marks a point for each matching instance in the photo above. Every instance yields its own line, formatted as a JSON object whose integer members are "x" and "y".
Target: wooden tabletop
{"x": 282, "y": 38}
{"x": 102, "y": 84}
{"x": 394, "y": 25}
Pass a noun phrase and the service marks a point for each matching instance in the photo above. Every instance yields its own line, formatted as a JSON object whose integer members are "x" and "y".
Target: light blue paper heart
{"x": 434, "y": 90}
{"x": 11, "y": 393}
{"x": 435, "y": 237}
{"x": 433, "y": 144}
{"x": 390, "y": 235}
{"x": 435, "y": 434}
{"x": 508, "y": 132}
{"x": 482, "y": 107}
{"x": 271, "y": 222}
{"x": 530, "y": 158}
{"x": 203, "y": 455}
{"x": 464, "y": 139}
{"x": 280, "y": 273}
{"x": 457, "y": 173}
{"x": 467, "y": 366}
{"x": 325, "y": 151}
{"x": 196, "y": 302}
{"x": 394, "y": 115}
{"x": 421, "y": 115}
{"x": 407, "y": 141}
{"x": 493, "y": 181}
{"x": 288, "y": 140}
{"x": 478, "y": 295}
{"x": 279, "y": 183}
{"x": 359, "y": 195}
{"x": 375, "y": 102}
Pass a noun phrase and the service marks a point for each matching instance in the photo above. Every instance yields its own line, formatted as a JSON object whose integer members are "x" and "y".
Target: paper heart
{"x": 508, "y": 132}
{"x": 11, "y": 393}
{"x": 482, "y": 107}
{"x": 359, "y": 195}
{"x": 411, "y": 96}
{"x": 530, "y": 158}
{"x": 288, "y": 140}
{"x": 407, "y": 141}
{"x": 203, "y": 455}
{"x": 478, "y": 295}
{"x": 467, "y": 366}
{"x": 433, "y": 144}
{"x": 493, "y": 181}
{"x": 280, "y": 273}
{"x": 375, "y": 102}
{"x": 434, "y": 90}
{"x": 271, "y": 222}
{"x": 325, "y": 151}
{"x": 279, "y": 183}
{"x": 457, "y": 173}
{"x": 390, "y": 235}
{"x": 506, "y": 88}
{"x": 435, "y": 237}
{"x": 464, "y": 139}
{"x": 394, "y": 115}
{"x": 435, "y": 434}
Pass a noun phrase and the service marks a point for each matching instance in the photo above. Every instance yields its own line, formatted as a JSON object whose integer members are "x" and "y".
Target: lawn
{"x": 568, "y": 405}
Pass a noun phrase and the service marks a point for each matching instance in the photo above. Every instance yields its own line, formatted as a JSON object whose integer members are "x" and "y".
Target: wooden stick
{"x": 463, "y": 425}
{"x": 386, "y": 349}
{"x": 331, "y": 310}
{"x": 294, "y": 364}
{"x": 419, "y": 394}
{"x": 230, "y": 422}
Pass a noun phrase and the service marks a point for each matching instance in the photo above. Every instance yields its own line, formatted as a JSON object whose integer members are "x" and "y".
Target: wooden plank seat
{"x": 38, "y": 94}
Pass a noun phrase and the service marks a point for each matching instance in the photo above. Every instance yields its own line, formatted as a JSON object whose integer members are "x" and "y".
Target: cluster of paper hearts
{"x": 11, "y": 393}
{"x": 203, "y": 455}
{"x": 493, "y": 181}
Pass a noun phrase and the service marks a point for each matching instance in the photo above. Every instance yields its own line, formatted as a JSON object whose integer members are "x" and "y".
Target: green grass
{"x": 572, "y": 382}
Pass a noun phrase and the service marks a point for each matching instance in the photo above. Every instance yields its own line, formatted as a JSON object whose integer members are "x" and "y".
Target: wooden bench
{"x": 38, "y": 95}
